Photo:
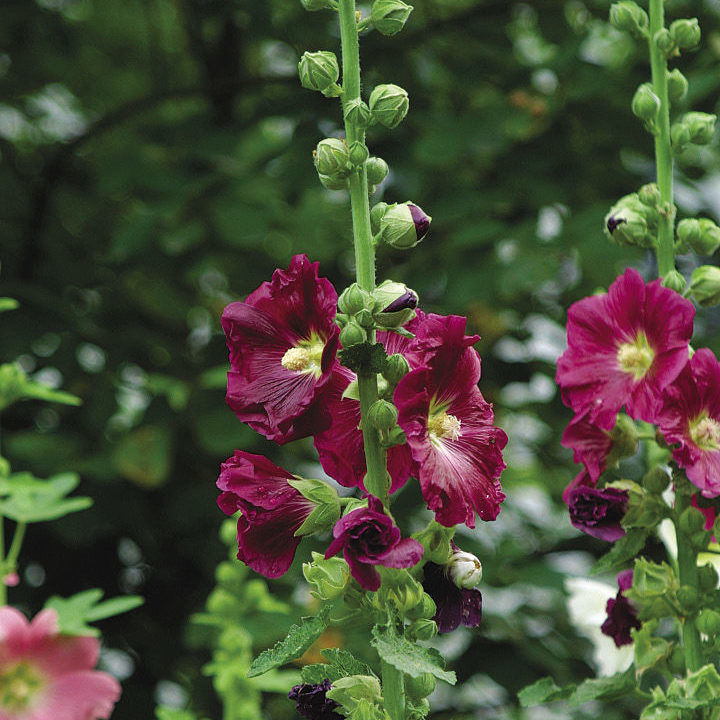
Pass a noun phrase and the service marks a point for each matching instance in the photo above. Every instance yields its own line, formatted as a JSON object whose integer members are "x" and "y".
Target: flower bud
{"x": 629, "y": 16}
{"x": 680, "y": 136}
{"x": 376, "y": 215}
{"x": 404, "y": 225}
{"x": 352, "y": 334}
{"x": 649, "y": 195}
{"x": 701, "y": 126}
{"x": 665, "y": 43}
{"x": 691, "y": 521}
{"x": 358, "y": 153}
{"x": 314, "y": 5}
{"x": 707, "y": 577}
{"x": 624, "y": 437}
{"x": 330, "y": 577}
{"x": 677, "y": 86}
{"x": 377, "y": 170}
{"x": 656, "y": 480}
{"x": 689, "y": 598}
{"x": 389, "y": 16}
{"x": 708, "y": 622}
{"x": 685, "y": 33}
{"x": 700, "y": 540}
{"x": 674, "y": 280}
{"x": 352, "y": 690}
{"x": 628, "y": 227}
{"x": 400, "y": 589}
{"x": 705, "y": 285}
{"x": 389, "y": 104}
{"x": 419, "y": 687}
{"x": 688, "y": 233}
{"x": 709, "y": 237}
{"x": 333, "y": 182}
{"x": 332, "y": 157}
{"x": 396, "y": 368}
{"x": 383, "y": 415}
{"x": 320, "y": 71}
{"x": 645, "y": 103}
{"x": 354, "y": 299}
{"x": 356, "y": 112}
{"x": 422, "y": 629}
{"x": 465, "y": 569}
{"x": 365, "y": 319}
{"x": 425, "y": 610}
{"x": 394, "y": 305}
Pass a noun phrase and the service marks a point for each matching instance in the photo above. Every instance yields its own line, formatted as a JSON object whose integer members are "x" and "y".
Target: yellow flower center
{"x": 705, "y": 432}
{"x": 636, "y": 357}
{"x": 306, "y": 356}
{"x": 442, "y": 425}
{"x": 19, "y": 685}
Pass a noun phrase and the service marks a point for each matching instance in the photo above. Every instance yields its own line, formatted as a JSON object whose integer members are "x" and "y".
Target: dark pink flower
{"x": 455, "y": 606}
{"x": 369, "y": 537}
{"x": 624, "y": 348}
{"x": 581, "y": 480}
{"x": 621, "y": 615}
{"x": 282, "y": 342}
{"x": 272, "y": 510}
{"x": 311, "y": 701}
{"x": 598, "y": 512}
{"x": 449, "y": 425}
{"x": 690, "y": 418}
{"x": 591, "y": 444}
{"x": 48, "y": 676}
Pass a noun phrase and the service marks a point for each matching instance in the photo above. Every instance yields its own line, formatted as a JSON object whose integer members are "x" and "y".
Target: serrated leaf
{"x": 623, "y": 550}
{"x": 412, "y": 659}
{"x": 298, "y": 640}
{"x": 542, "y": 691}
{"x": 364, "y": 359}
{"x": 340, "y": 664}
{"x": 76, "y": 611}
{"x": 604, "y": 687}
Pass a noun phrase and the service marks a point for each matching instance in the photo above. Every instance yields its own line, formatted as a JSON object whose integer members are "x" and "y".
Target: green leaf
{"x": 298, "y": 640}
{"x": 115, "y": 606}
{"x": 340, "y": 664}
{"x": 542, "y": 691}
{"x": 364, "y": 359}
{"x": 29, "y": 499}
{"x": 76, "y": 611}
{"x": 37, "y": 391}
{"x": 649, "y": 650}
{"x": 412, "y": 659}
{"x": 623, "y": 550}
{"x": 7, "y": 303}
{"x": 604, "y": 687}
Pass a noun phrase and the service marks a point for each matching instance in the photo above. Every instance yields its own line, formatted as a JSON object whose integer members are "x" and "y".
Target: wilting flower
{"x": 621, "y": 615}
{"x": 598, "y": 512}
{"x": 449, "y": 425}
{"x": 690, "y": 418}
{"x": 311, "y": 701}
{"x": 48, "y": 676}
{"x": 272, "y": 510}
{"x": 455, "y": 606}
{"x": 282, "y": 342}
{"x": 369, "y": 537}
{"x": 624, "y": 347}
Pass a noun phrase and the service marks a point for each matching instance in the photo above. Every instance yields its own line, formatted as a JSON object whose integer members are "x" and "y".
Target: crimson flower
{"x": 624, "y": 348}
{"x": 449, "y": 425}
{"x": 282, "y": 342}
{"x": 272, "y": 510}
{"x": 621, "y": 615}
{"x": 591, "y": 444}
{"x": 598, "y": 511}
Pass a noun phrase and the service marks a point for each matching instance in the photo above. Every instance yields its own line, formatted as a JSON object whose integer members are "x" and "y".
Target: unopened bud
{"x": 395, "y": 304}
{"x": 628, "y": 227}
{"x": 649, "y": 195}
{"x": 364, "y": 318}
{"x": 679, "y": 135}
{"x": 688, "y": 233}
{"x": 358, "y": 153}
{"x": 708, "y": 622}
{"x": 630, "y": 17}
{"x": 677, "y": 85}
{"x": 426, "y": 609}
{"x": 389, "y": 104}
{"x": 665, "y": 43}
{"x": 691, "y": 521}
{"x": 465, "y": 569}
{"x": 645, "y": 103}
{"x": 701, "y": 126}
{"x": 357, "y": 113}
{"x": 674, "y": 280}
{"x": 656, "y": 480}
{"x": 419, "y": 687}
{"x": 389, "y": 16}
{"x": 377, "y": 170}
{"x": 702, "y": 236}
{"x": 332, "y": 157}
{"x": 423, "y": 629}
{"x": 404, "y": 225}
{"x": 705, "y": 285}
{"x": 688, "y": 597}
{"x": 624, "y": 437}
{"x": 354, "y": 299}
{"x": 352, "y": 334}
{"x": 330, "y": 577}
{"x": 333, "y": 182}
{"x": 314, "y": 5}
{"x": 320, "y": 71}
{"x": 707, "y": 577}
{"x": 396, "y": 367}
{"x": 383, "y": 415}
{"x": 376, "y": 215}
{"x": 685, "y": 33}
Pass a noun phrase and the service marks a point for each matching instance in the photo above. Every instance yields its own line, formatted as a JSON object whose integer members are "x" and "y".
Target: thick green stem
{"x": 663, "y": 145}
{"x": 393, "y": 691}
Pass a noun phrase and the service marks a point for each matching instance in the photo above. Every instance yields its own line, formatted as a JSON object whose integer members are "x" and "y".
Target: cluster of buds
{"x": 696, "y": 128}
{"x": 683, "y": 34}
{"x": 630, "y": 17}
{"x": 633, "y": 220}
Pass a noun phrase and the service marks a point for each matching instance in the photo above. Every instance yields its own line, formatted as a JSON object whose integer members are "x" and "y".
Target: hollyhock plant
{"x": 48, "y": 676}
{"x": 624, "y": 347}
{"x": 598, "y": 512}
{"x": 449, "y": 425}
{"x": 690, "y": 420}
{"x": 282, "y": 341}
{"x": 455, "y": 605}
{"x": 591, "y": 444}
{"x": 369, "y": 537}
{"x": 311, "y": 701}
{"x": 272, "y": 510}
{"x": 621, "y": 615}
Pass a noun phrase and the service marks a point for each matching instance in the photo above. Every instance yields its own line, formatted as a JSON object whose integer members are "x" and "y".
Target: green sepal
{"x": 329, "y": 576}
{"x": 542, "y": 691}
{"x": 649, "y": 650}
{"x": 645, "y": 510}
{"x": 352, "y": 391}
{"x": 340, "y": 664}
{"x": 76, "y": 611}
{"x": 327, "y": 512}
{"x": 604, "y": 687}
{"x": 435, "y": 539}
{"x": 351, "y": 690}
{"x": 364, "y": 359}
{"x": 28, "y": 499}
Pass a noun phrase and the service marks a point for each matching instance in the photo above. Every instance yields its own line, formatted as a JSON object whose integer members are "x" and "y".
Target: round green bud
{"x": 709, "y": 237}
{"x": 705, "y": 285}
{"x": 329, "y": 577}
{"x": 395, "y": 304}
{"x": 707, "y": 577}
{"x": 377, "y": 170}
{"x": 365, "y": 319}
{"x": 700, "y": 125}
{"x": 332, "y": 157}
{"x": 649, "y": 195}
{"x": 333, "y": 182}
{"x": 358, "y": 153}
{"x": 624, "y": 437}
{"x": 404, "y": 225}
{"x": 376, "y": 215}
{"x": 228, "y": 533}
{"x": 227, "y": 575}
{"x": 383, "y": 414}
{"x": 352, "y": 334}
{"x": 679, "y": 135}
{"x": 425, "y": 610}
{"x": 628, "y": 227}
{"x": 688, "y": 233}
{"x": 358, "y": 113}
{"x": 656, "y": 480}
{"x": 341, "y": 319}
{"x": 675, "y": 281}
{"x": 389, "y": 16}
{"x": 677, "y": 85}
{"x": 645, "y": 103}
{"x": 665, "y": 43}
{"x": 354, "y": 299}
{"x": 320, "y": 71}
{"x": 419, "y": 687}
{"x": 221, "y": 602}
{"x": 689, "y": 598}
{"x": 685, "y": 33}
{"x": 315, "y": 5}
{"x": 423, "y": 629}
{"x": 396, "y": 368}
{"x": 708, "y": 622}
{"x": 630, "y": 17}
{"x": 691, "y": 521}
{"x": 389, "y": 104}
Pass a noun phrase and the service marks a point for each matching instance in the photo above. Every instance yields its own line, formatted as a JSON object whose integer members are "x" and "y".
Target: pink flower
{"x": 449, "y": 426}
{"x": 48, "y": 676}
{"x": 272, "y": 510}
{"x": 591, "y": 444}
{"x": 690, "y": 418}
{"x": 282, "y": 342}
{"x": 624, "y": 347}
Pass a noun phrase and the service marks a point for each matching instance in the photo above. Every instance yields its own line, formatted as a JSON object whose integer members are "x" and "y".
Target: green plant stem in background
{"x": 663, "y": 146}
{"x": 375, "y": 481}
{"x": 393, "y": 691}
{"x": 16, "y": 544}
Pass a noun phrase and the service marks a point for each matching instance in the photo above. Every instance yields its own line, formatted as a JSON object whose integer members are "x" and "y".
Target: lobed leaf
{"x": 622, "y": 551}
{"x": 542, "y": 691}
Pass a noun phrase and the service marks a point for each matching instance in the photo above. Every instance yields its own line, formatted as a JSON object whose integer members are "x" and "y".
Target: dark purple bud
{"x": 421, "y": 220}
{"x": 621, "y": 615}
{"x": 312, "y": 703}
{"x": 613, "y": 222}
{"x": 407, "y": 301}
{"x": 455, "y": 606}
{"x": 598, "y": 512}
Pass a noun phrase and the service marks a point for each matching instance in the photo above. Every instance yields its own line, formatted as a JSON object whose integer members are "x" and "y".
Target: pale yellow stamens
{"x": 19, "y": 684}
{"x": 636, "y": 357}
{"x": 296, "y": 358}
{"x": 705, "y": 433}
{"x": 305, "y": 357}
{"x": 443, "y": 425}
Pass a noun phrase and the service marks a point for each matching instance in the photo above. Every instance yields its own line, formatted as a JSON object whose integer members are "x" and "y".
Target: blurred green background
{"x": 156, "y": 164}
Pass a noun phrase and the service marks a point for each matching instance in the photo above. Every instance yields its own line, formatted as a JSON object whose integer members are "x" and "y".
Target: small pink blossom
{"x": 48, "y": 676}
{"x": 11, "y": 580}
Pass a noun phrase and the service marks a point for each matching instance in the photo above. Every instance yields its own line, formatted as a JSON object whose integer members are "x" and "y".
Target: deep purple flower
{"x": 368, "y": 537}
{"x": 312, "y": 703}
{"x": 407, "y": 301}
{"x": 621, "y": 615}
{"x": 455, "y": 606}
{"x": 598, "y": 512}
{"x": 421, "y": 220}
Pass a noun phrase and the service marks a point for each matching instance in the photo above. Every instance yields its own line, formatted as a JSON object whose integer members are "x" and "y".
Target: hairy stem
{"x": 663, "y": 145}
{"x": 393, "y": 691}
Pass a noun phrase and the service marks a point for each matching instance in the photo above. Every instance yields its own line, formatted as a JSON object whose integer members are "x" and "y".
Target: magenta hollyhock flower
{"x": 369, "y": 537}
{"x": 690, "y": 418}
{"x": 48, "y": 676}
{"x": 621, "y": 615}
{"x": 624, "y": 347}
{"x": 581, "y": 480}
{"x": 598, "y": 512}
{"x": 455, "y": 606}
{"x": 591, "y": 444}
{"x": 282, "y": 342}
{"x": 449, "y": 425}
{"x": 272, "y": 510}
{"x": 311, "y": 701}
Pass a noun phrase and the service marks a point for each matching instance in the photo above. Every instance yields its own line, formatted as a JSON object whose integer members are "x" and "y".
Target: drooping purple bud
{"x": 598, "y": 512}
{"x": 312, "y": 703}
{"x": 421, "y": 220}
{"x": 455, "y": 606}
{"x": 621, "y": 615}
{"x": 407, "y": 301}
{"x": 613, "y": 222}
